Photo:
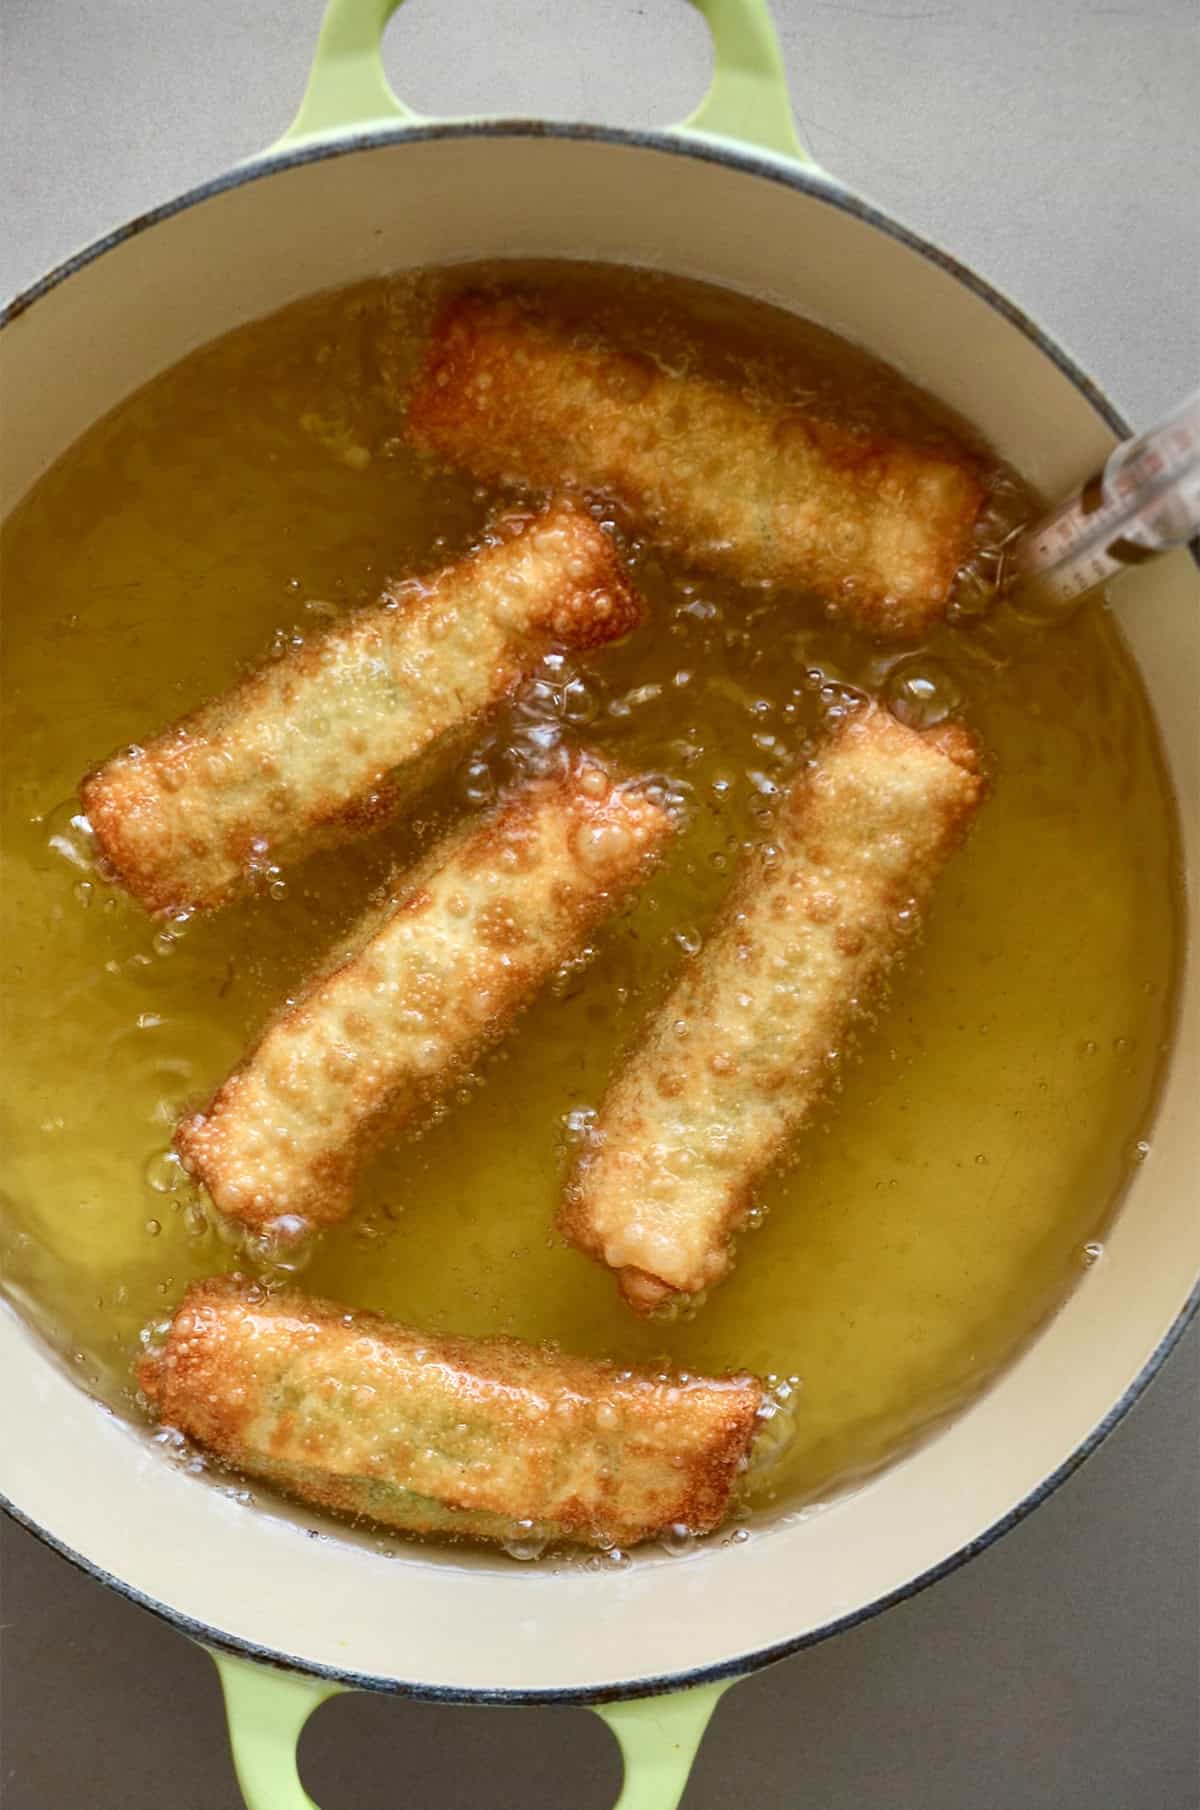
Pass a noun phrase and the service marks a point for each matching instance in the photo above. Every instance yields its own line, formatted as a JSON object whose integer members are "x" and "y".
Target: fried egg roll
{"x": 758, "y": 489}
{"x": 315, "y": 744}
{"x": 487, "y": 1439}
{"x": 419, "y": 987}
{"x": 741, "y": 1050}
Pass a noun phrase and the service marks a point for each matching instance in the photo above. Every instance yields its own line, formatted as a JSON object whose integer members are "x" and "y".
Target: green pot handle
{"x": 267, "y": 1710}
{"x": 748, "y": 100}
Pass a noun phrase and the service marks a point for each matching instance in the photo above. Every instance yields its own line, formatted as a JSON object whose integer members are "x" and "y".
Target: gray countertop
{"x": 1054, "y": 146}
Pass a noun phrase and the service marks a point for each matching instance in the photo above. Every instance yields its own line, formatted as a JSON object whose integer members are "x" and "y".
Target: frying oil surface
{"x": 942, "y": 1202}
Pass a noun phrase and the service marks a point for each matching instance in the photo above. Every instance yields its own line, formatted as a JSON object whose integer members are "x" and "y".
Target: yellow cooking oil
{"x": 957, "y": 1182}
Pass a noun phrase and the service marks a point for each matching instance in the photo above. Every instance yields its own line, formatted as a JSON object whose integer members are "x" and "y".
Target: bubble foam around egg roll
{"x": 760, "y": 489}
{"x": 487, "y": 1439}
{"x": 317, "y": 744}
{"x": 418, "y": 988}
{"x": 740, "y": 1052}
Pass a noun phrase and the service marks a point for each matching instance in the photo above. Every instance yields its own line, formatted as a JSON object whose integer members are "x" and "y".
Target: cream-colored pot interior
{"x": 450, "y": 1623}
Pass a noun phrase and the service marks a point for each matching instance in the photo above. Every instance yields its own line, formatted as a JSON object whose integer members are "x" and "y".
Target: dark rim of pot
{"x": 808, "y": 181}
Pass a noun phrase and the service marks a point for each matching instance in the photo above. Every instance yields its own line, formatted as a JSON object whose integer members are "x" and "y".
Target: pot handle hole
{"x": 747, "y": 101}
{"x": 267, "y": 1709}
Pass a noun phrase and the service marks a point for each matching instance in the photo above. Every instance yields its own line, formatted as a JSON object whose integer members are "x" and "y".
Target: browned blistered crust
{"x": 314, "y": 745}
{"x": 431, "y": 1433}
{"x": 764, "y": 491}
{"x": 735, "y": 1059}
{"x": 413, "y": 994}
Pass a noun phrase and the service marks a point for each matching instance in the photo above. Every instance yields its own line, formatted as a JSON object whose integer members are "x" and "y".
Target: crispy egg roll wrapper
{"x": 762, "y": 491}
{"x": 416, "y": 990}
{"x": 485, "y": 1438}
{"x": 316, "y": 744}
{"x": 738, "y": 1055}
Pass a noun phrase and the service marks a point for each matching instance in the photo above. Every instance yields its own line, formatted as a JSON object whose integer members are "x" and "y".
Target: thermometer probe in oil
{"x": 1144, "y": 500}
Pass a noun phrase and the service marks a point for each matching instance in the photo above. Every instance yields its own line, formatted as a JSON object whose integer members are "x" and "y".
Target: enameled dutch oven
{"x": 361, "y": 185}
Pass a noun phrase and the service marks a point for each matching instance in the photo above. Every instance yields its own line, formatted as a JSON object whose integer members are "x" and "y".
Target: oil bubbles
{"x": 921, "y": 694}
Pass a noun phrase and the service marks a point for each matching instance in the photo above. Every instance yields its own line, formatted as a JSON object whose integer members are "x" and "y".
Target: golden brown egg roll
{"x": 763, "y": 491}
{"x": 314, "y": 745}
{"x": 485, "y": 1439}
{"x": 735, "y": 1059}
{"x": 419, "y": 987}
